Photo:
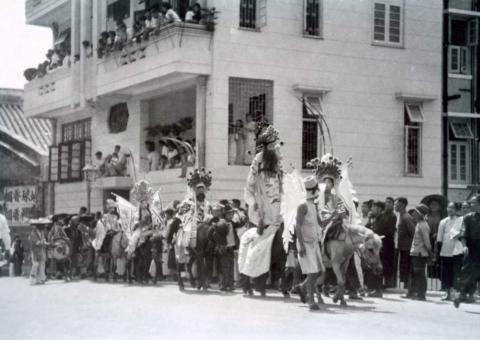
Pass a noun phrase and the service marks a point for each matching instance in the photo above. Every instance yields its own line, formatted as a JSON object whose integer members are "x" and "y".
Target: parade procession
{"x": 301, "y": 236}
{"x": 240, "y": 169}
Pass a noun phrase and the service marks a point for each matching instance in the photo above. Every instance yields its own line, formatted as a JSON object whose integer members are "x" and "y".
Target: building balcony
{"x": 178, "y": 49}
{"x": 120, "y": 182}
{"x": 44, "y": 12}
{"x": 45, "y": 96}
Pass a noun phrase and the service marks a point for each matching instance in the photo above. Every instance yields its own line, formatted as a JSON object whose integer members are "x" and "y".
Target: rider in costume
{"x": 263, "y": 196}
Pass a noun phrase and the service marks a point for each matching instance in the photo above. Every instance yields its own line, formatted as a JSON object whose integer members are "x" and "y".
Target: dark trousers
{"x": 404, "y": 264}
{"x": 468, "y": 277}
{"x": 227, "y": 264}
{"x": 387, "y": 256}
{"x": 417, "y": 285}
{"x": 450, "y": 267}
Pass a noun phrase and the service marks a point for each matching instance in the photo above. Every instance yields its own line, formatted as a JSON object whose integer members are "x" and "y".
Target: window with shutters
{"x": 312, "y": 18}
{"x": 76, "y": 131}
{"x": 67, "y": 160}
{"x": 388, "y": 23}
{"x": 253, "y": 14}
{"x": 459, "y": 162}
{"x": 458, "y": 60}
{"x": 413, "y": 117}
{"x": 311, "y": 134}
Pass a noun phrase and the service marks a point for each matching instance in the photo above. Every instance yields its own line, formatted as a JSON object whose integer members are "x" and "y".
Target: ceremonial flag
{"x": 128, "y": 214}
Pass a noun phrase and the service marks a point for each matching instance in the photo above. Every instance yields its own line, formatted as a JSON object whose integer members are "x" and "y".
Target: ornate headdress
{"x": 326, "y": 167}
{"x": 142, "y": 192}
{"x": 200, "y": 177}
{"x": 266, "y": 133}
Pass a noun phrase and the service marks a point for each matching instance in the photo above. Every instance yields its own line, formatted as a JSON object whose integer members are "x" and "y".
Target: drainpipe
{"x": 445, "y": 43}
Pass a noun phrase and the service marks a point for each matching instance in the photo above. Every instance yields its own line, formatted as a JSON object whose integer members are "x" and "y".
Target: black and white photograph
{"x": 240, "y": 169}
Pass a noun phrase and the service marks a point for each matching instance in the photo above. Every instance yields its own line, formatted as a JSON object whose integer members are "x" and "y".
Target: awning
{"x": 461, "y": 129}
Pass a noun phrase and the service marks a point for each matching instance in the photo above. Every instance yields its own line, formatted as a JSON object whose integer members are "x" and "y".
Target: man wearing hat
{"x": 308, "y": 233}
{"x": 420, "y": 252}
{"x": 470, "y": 237}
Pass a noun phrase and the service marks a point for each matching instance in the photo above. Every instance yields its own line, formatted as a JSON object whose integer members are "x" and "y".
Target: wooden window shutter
{"x": 53, "y": 162}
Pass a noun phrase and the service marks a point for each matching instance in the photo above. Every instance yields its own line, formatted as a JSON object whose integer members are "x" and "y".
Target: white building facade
{"x": 373, "y": 68}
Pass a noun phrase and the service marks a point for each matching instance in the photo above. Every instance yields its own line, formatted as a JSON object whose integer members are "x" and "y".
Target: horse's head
{"x": 370, "y": 251}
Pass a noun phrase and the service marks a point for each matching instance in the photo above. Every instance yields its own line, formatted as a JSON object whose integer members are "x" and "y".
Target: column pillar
{"x": 200, "y": 120}
{"x": 74, "y": 48}
{"x": 85, "y": 35}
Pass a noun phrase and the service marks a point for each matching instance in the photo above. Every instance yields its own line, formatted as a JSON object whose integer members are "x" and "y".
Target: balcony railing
{"x": 51, "y": 92}
{"x": 179, "y": 47}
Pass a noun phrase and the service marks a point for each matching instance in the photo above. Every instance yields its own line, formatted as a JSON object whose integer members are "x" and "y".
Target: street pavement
{"x": 98, "y": 310}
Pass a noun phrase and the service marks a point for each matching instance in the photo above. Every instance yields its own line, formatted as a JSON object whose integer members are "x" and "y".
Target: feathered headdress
{"x": 142, "y": 192}
{"x": 200, "y": 177}
{"x": 326, "y": 167}
{"x": 266, "y": 133}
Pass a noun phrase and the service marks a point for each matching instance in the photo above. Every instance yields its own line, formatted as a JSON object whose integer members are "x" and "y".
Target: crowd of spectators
{"x": 128, "y": 39}
{"x": 57, "y": 58}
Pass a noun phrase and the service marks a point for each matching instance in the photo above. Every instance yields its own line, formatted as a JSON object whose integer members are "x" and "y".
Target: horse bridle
{"x": 358, "y": 251}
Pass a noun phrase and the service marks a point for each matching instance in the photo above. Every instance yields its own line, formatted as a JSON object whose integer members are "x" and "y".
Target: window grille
{"x": 312, "y": 17}
{"x": 413, "y": 139}
{"x": 248, "y": 9}
{"x": 412, "y": 150}
{"x": 252, "y": 98}
{"x": 459, "y": 159}
{"x": 387, "y": 23}
{"x": 310, "y": 131}
{"x": 78, "y": 130}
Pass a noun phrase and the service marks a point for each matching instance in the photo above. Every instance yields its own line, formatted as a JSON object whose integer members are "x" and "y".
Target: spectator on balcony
{"x": 153, "y": 156}
{"x": 102, "y": 45}
{"x": 157, "y": 19}
{"x": 42, "y": 69}
{"x": 194, "y": 14}
{"x": 55, "y": 61}
{"x": 170, "y": 15}
{"x": 120, "y": 35}
{"x": 111, "y": 41}
{"x": 99, "y": 164}
{"x": 172, "y": 155}
{"x": 150, "y": 25}
{"x": 163, "y": 151}
{"x": 116, "y": 164}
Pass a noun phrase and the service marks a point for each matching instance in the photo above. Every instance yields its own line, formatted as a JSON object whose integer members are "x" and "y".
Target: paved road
{"x": 90, "y": 310}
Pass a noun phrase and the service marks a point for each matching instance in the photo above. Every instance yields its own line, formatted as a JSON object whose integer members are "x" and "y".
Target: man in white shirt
{"x": 153, "y": 156}
{"x": 5, "y": 232}
{"x": 451, "y": 249}
{"x": 97, "y": 243}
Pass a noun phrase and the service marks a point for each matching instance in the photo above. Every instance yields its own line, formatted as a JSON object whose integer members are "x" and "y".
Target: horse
{"x": 340, "y": 243}
{"x": 139, "y": 260}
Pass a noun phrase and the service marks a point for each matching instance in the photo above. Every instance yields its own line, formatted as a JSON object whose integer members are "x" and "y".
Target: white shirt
{"x": 172, "y": 16}
{"x": 450, "y": 246}
{"x": 5, "y": 232}
{"x": 189, "y": 16}
{"x": 99, "y": 235}
{"x": 153, "y": 158}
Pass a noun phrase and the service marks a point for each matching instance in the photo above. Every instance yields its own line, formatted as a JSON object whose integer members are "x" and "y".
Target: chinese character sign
{"x": 21, "y": 203}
